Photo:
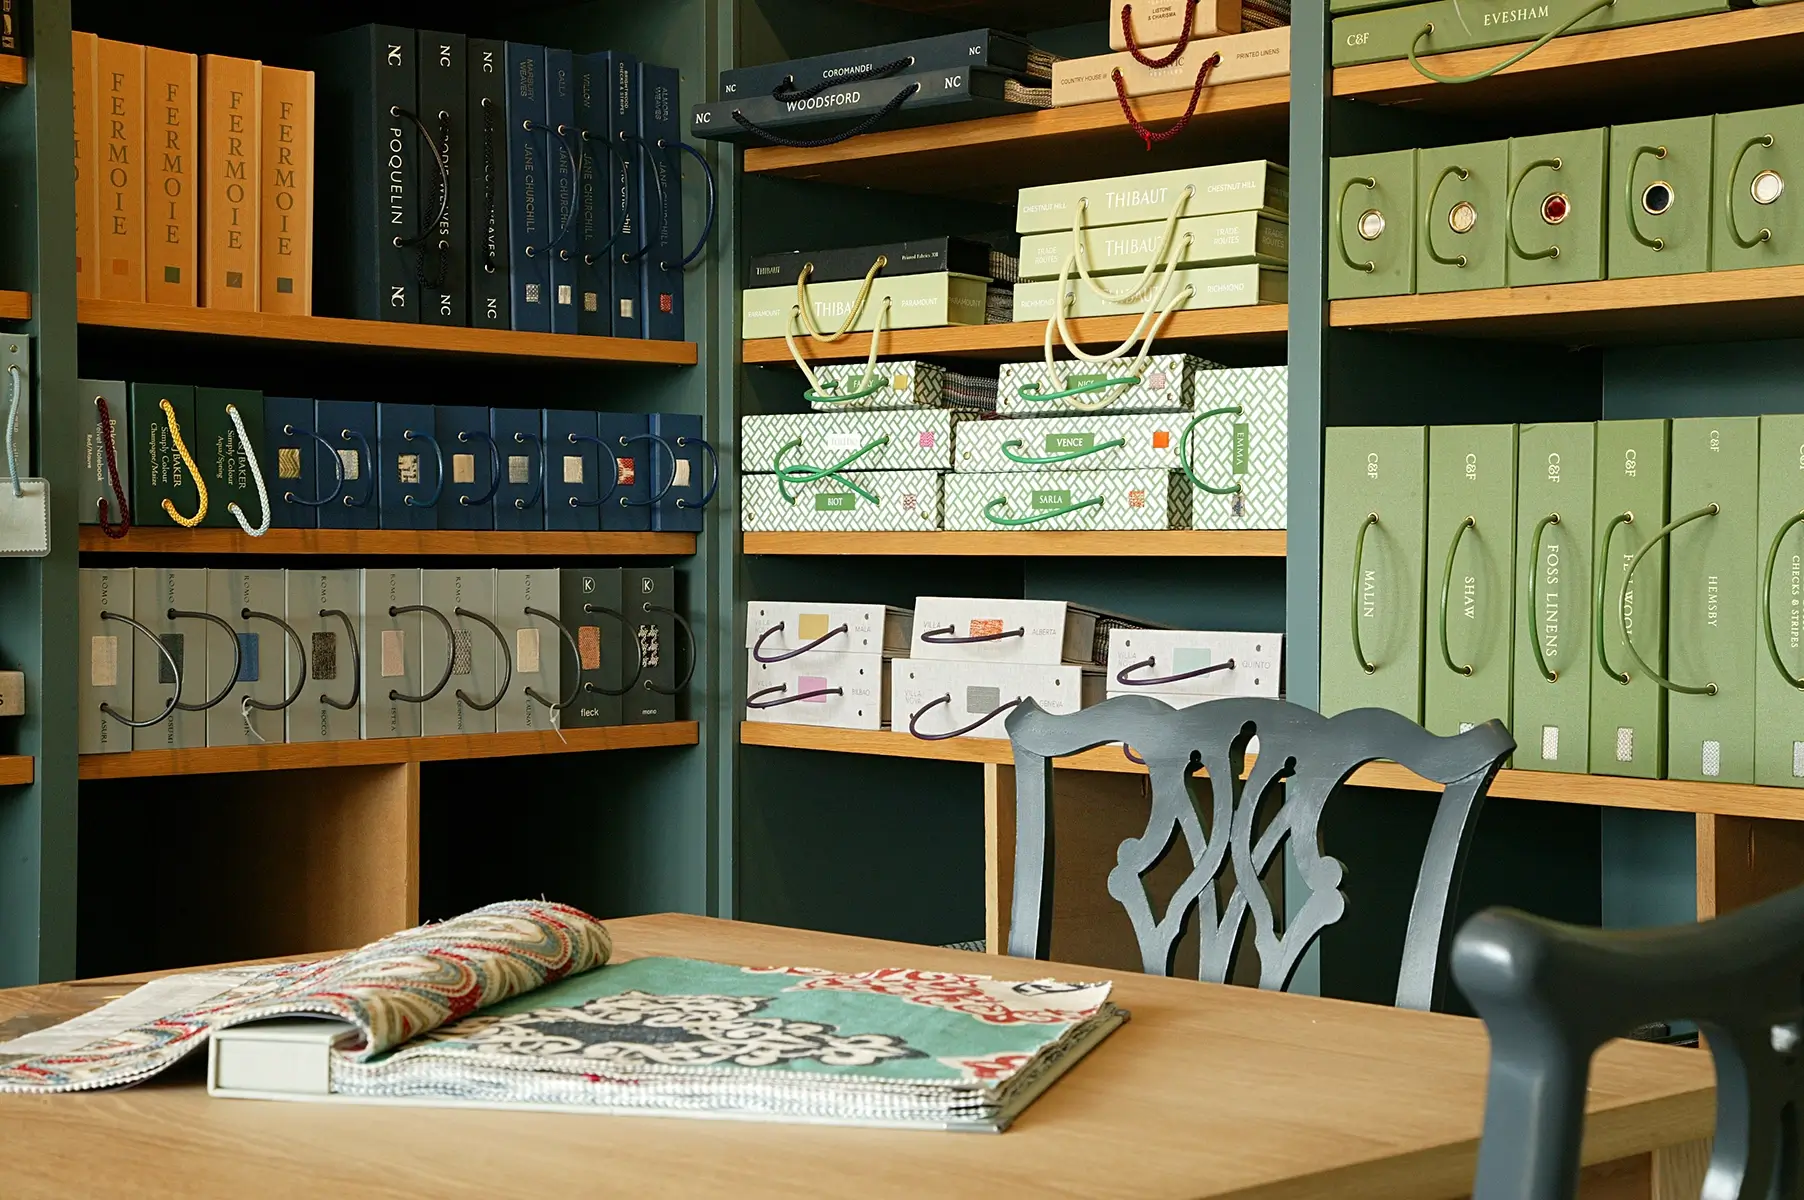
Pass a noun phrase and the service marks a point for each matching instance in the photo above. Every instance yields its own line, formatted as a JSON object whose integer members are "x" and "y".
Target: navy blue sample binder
{"x": 298, "y": 474}
{"x": 599, "y": 216}
{"x": 411, "y": 466}
{"x": 628, "y": 437}
{"x": 578, "y": 474}
{"x": 563, "y": 150}
{"x": 661, "y": 270}
{"x": 472, "y": 467}
{"x": 528, "y": 176}
{"x": 349, "y": 428}
{"x": 691, "y": 481}
{"x": 632, "y": 246}
{"x": 520, "y": 500}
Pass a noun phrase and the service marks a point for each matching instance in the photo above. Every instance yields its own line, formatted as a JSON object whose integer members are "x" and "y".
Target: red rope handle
{"x": 112, "y": 467}
{"x": 1149, "y": 136}
{"x": 1127, "y": 35}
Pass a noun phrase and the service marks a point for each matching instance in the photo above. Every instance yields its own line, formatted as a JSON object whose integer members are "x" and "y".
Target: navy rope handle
{"x": 613, "y": 475}
{"x": 657, "y": 178}
{"x": 338, "y": 469}
{"x": 614, "y": 227}
{"x": 668, "y": 480}
{"x": 713, "y": 479}
{"x": 363, "y": 451}
{"x": 562, "y": 134}
{"x": 539, "y": 453}
{"x": 464, "y": 435}
{"x": 407, "y": 435}
{"x": 701, "y": 243}
{"x": 864, "y": 126}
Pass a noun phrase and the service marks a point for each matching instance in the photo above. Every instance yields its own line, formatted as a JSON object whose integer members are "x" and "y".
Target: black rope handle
{"x": 490, "y": 223}
{"x": 789, "y": 94}
{"x": 1121, "y": 676}
{"x": 753, "y": 701}
{"x": 175, "y": 669}
{"x": 638, "y": 660}
{"x": 247, "y": 614}
{"x": 942, "y": 637}
{"x": 689, "y": 636}
{"x": 356, "y": 662}
{"x": 864, "y": 126}
{"x": 758, "y": 646}
{"x": 444, "y": 178}
{"x": 442, "y": 154}
{"x": 395, "y": 610}
{"x": 576, "y": 656}
{"x": 507, "y": 661}
{"x": 947, "y": 700}
{"x": 237, "y": 657}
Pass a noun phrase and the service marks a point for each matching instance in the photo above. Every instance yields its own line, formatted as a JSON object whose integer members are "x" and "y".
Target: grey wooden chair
{"x": 1309, "y": 755}
{"x": 1551, "y": 994}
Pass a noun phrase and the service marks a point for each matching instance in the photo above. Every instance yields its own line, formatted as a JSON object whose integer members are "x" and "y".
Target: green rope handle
{"x": 1032, "y": 461}
{"x": 1628, "y": 576}
{"x": 1029, "y": 391}
{"x": 1628, "y": 197}
{"x": 842, "y": 481}
{"x": 1511, "y": 61}
{"x": 1457, "y": 260}
{"x": 1340, "y": 222}
{"x": 1603, "y": 592}
{"x": 1765, "y": 235}
{"x": 800, "y": 474}
{"x": 989, "y": 512}
{"x": 1184, "y": 450}
{"x": 1509, "y": 223}
{"x": 860, "y": 394}
{"x": 1772, "y": 644}
{"x": 1534, "y": 561}
{"x": 1446, "y": 593}
{"x": 1359, "y": 554}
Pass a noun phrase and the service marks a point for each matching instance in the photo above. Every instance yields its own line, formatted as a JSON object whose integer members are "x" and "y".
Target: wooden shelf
{"x": 1175, "y": 543}
{"x": 218, "y": 760}
{"x": 15, "y": 306}
{"x": 387, "y": 542}
{"x": 378, "y": 336}
{"x": 17, "y": 770}
{"x": 1603, "y": 791}
{"x": 1262, "y": 324}
{"x": 1608, "y": 74}
{"x": 1718, "y": 305}
{"x": 13, "y": 71}
{"x": 992, "y": 157}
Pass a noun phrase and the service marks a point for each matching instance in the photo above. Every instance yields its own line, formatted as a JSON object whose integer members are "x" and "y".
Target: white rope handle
{"x": 12, "y": 428}
{"x": 250, "y": 456}
{"x": 1158, "y": 311}
{"x": 807, "y": 306}
{"x": 870, "y": 362}
{"x": 1081, "y": 251}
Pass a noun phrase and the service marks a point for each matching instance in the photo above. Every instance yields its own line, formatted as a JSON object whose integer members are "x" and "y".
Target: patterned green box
{"x": 1372, "y": 230}
{"x": 1758, "y": 158}
{"x": 1245, "y": 453}
{"x": 905, "y": 384}
{"x": 1660, "y": 198}
{"x": 1071, "y": 442}
{"x": 1209, "y": 287}
{"x": 849, "y": 502}
{"x": 1462, "y": 192}
{"x": 913, "y": 302}
{"x": 1167, "y": 383}
{"x": 1217, "y": 240}
{"x": 1447, "y": 25}
{"x": 1068, "y": 500}
{"x": 1557, "y": 206}
{"x": 1229, "y": 187}
{"x": 910, "y": 439}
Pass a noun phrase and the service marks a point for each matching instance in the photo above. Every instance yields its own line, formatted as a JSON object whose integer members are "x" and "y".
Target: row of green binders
{"x": 1625, "y": 595}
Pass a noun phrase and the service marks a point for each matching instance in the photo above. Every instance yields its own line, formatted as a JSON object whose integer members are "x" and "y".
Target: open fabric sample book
{"x": 516, "y": 1006}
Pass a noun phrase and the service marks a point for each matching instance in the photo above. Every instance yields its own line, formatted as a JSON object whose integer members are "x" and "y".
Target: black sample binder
{"x": 443, "y": 257}
{"x": 977, "y": 50}
{"x": 919, "y": 99}
{"x": 491, "y": 295}
{"x": 924, "y": 257}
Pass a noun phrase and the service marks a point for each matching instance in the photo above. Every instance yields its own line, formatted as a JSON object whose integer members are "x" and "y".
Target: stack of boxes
{"x": 1624, "y": 202}
{"x": 1368, "y": 31}
{"x": 822, "y": 664}
{"x": 259, "y": 656}
{"x": 1249, "y": 41}
{"x": 1184, "y": 667}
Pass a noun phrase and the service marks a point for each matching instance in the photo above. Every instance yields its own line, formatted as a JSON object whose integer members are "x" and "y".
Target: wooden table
{"x": 1208, "y": 1092}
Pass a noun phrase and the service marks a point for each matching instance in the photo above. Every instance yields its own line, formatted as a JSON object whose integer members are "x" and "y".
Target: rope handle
{"x": 1428, "y": 29}
{"x": 250, "y": 455}
{"x": 786, "y": 92}
{"x": 1534, "y": 559}
{"x": 758, "y": 654}
{"x": 755, "y": 701}
{"x": 947, "y": 635}
{"x": 1009, "y": 451}
{"x": 507, "y": 663}
{"x": 1177, "y": 51}
{"x": 1447, "y": 595}
{"x": 1766, "y": 593}
{"x": 857, "y": 310}
{"x": 1149, "y": 135}
{"x": 701, "y": 243}
{"x": 181, "y": 448}
{"x": 915, "y": 717}
{"x": 990, "y": 514}
{"x": 864, "y": 126}
{"x": 1168, "y": 244}
{"x": 869, "y": 385}
{"x": 112, "y": 469}
{"x": 1121, "y": 676}
{"x": 175, "y": 670}
{"x": 444, "y": 176}
{"x": 576, "y": 656}
{"x": 1233, "y": 410}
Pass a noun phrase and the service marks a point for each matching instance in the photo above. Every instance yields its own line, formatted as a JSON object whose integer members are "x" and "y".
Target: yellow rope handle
{"x": 864, "y": 294}
{"x": 181, "y": 448}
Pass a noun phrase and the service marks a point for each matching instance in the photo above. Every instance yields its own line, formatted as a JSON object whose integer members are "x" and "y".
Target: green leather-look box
{"x": 1551, "y": 701}
{"x": 1758, "y": 197}
{"x": 1628, "y": 709}
{"x": 1373, "y": 522}
{"x": 1779, "y": 657}
{"x": 1371, "y": 236}
{"x": 1557, "y": 206}
{"x": 1660, "y": 198}
{"x": 1712, "y": 589}
{"x": 1461, "y": 193}
{"x": 1471, "y": 576}
{"x": 1384, "y": 34}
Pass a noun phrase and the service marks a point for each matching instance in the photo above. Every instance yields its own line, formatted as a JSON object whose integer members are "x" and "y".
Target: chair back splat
{"x": 1302, "y": 752}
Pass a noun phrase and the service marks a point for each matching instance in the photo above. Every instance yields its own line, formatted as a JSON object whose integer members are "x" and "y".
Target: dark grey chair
{"x": 1306, "y": 754}
{"x": 1551, "y": 994}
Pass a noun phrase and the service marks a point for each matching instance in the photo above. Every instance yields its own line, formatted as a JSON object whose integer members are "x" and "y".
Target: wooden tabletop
{"x": 1208, "y": 1091}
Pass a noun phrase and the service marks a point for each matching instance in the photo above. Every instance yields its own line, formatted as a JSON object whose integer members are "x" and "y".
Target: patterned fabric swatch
{"x": 407, "y": 466}
{"x": 573, "y": 468}
{"x": 463, "y": 468}
{"x": 351, "y": 464}
{"x": 394, "y": 653}
{"x": 103, "y": 662}
{"x": 288, "y": 462}
{"x": 526, "y": 651}
{"x": 250, "y": 669}
{"x": 323, "y": 661}
{"x": 463, "y": 652}
{"x": 981, "y": 700}
{"x": 588, "y": 647}
{"x": 519, "y": 469}
{"x": 174, "y": 643}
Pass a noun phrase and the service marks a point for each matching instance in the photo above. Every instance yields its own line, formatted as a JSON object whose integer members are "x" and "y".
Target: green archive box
{"x": 1372, "y": 242}
{"x": 1471, "y": 601}
{"x": 1712, "y": 590}
{"x": 1461, "y": 192}
{"x": 1446, "y": 25}
{"x": 1758, "y": 197}
{"x": 1628, "y": 709}
{"x": 1374, "y": 511}
{"x": 1551, "y": 702}
{"x": 1779, "y": 643}
{"x": 1659, "y": 199}
{"x": 1556, "y": 207}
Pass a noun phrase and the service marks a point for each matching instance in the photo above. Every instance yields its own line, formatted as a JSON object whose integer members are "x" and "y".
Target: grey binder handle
{"x": 174, "y": 669}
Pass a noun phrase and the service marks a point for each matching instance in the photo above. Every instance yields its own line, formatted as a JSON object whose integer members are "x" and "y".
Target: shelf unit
{"x": 15, "y": 306}
{"x": 1174, "y": 543}
{"x": 1260, "y": 326}
{"x": 371, "y": 543}
{"x": 12, "y": 71}
{"x": 298, "y": 756}
{"x": 377, "y": 337}
{"x": 17, "y": 770}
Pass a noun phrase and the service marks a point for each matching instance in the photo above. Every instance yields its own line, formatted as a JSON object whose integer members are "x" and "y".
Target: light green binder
{"x": 1551, "y": 701}
{"x": 1471, "y": 576}
{"x": 1373, "y": 522}
{"x": 1557, "y": 204}
{"x": 1660, "y": 198}
{"x": 1628, "y": 709}
{"x": 1461, "y": 196}
{"x": 1756, "y": 201}
{"x": 1712, "y": 586}
{"x": 1779, "y": 643}
{"x": 1372, "y": 225}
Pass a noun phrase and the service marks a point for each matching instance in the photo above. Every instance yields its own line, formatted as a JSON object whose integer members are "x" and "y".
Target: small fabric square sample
{"x": 394, "y": 653}
{"x": 588, "y": 647}
{"x": 103, "y": 661}
{"x": 463, "y": 655}
{"x": 322, "y": 660}
{"x": 526, "y": 651}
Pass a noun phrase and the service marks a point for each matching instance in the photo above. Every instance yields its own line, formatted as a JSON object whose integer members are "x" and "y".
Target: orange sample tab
{"x": 119, "y": 67}
{"x": 231, "y": 91}
{"x": 172, "y": 163}
{"x": 286, "y": 269}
